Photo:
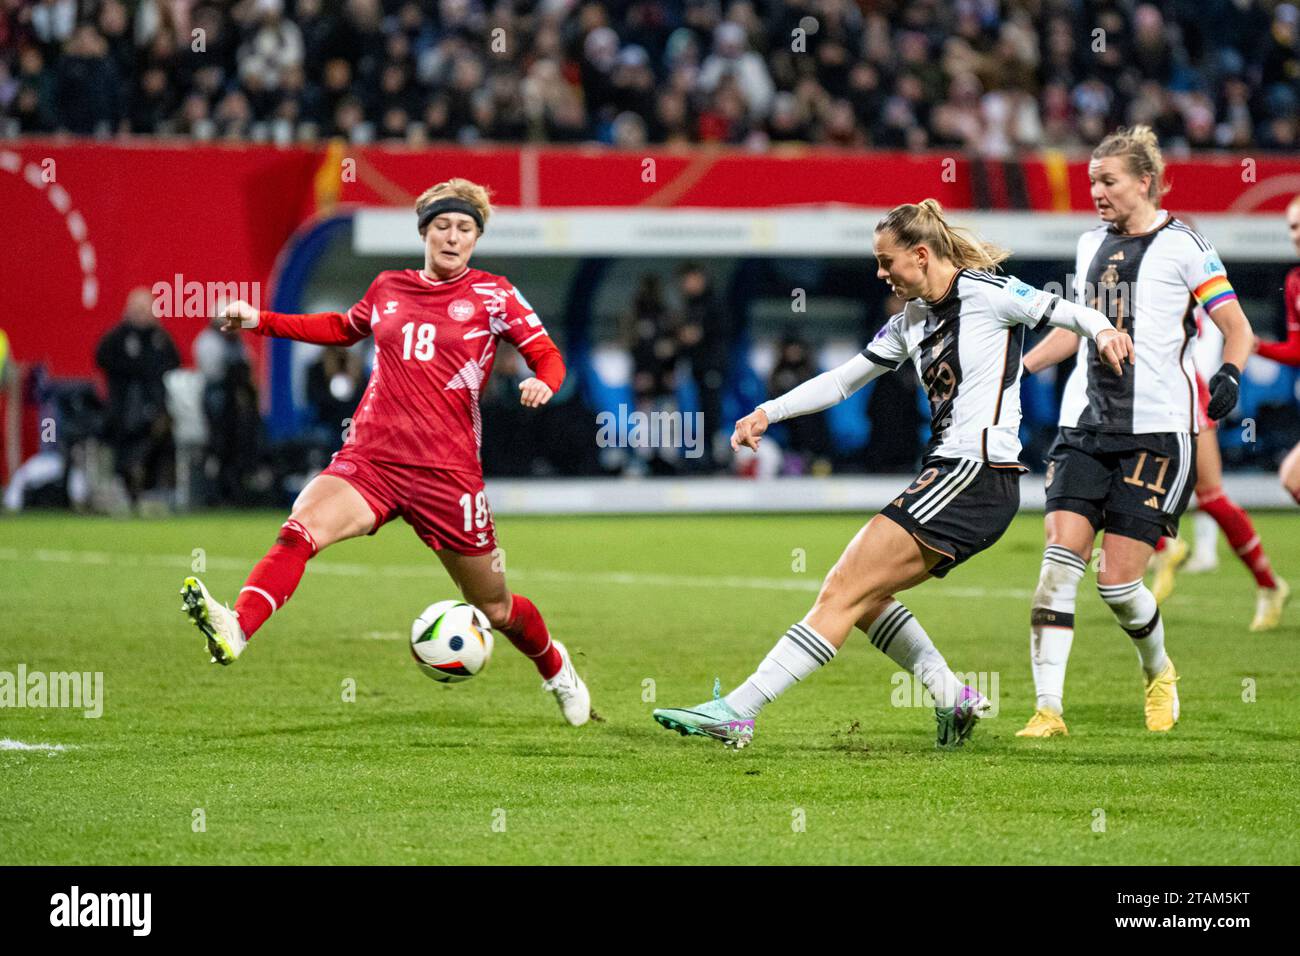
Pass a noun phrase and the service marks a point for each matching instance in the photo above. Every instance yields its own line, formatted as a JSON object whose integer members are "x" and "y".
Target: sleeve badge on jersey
{"x": 1021, "y": 289}
{"x": 462, "y": 310}
{"x": 1213, "y": 265}
{"x": 522, "y": 301}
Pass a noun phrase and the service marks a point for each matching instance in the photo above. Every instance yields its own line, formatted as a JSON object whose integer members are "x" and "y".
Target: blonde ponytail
{"x": 1140, "y": 149}
{"x": 916, "y": 224}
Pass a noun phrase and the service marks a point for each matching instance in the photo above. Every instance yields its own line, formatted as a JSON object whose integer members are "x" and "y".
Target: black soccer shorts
{"x": 1131, "y": 485}
{"x": 957, "y": 507}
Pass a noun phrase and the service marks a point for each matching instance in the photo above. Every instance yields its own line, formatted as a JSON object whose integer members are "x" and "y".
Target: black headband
{"x": 450, "y": 204}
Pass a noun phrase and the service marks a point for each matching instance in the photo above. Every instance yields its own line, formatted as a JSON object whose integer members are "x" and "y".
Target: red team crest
{"x": 462, "y": 310}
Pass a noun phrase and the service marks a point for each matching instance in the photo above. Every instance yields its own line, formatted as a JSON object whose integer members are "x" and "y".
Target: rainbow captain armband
{"x": 1213, "y": 292}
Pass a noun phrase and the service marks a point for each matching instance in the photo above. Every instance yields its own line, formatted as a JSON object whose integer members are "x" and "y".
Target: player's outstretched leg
{"x": 527, "y": 631}
{"x": 328, "y": 510}
{"x": 271, "y": 583}
{"x": 1051, "y": 633}
{"x": 858, "y": 590}
{"x": 1136, "y": 611}
{"x": 217, "y": 623}
{"x": 715, "y": 718}
{"x": 897, "y": 634}
{"x": 731, "y": 719}
{"x": 483, "y": 583}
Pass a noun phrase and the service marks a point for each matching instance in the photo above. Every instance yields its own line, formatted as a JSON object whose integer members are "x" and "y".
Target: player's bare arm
{"x": 1056, "y": 347}
{"x": 815, "y": 395}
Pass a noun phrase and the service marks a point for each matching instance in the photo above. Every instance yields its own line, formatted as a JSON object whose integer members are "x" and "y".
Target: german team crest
{"x": 461, "y": 310}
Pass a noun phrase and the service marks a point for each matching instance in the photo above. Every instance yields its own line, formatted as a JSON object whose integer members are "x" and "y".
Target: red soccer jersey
{"x": 1288, "y": 350}
{"x": 435, "y": 342}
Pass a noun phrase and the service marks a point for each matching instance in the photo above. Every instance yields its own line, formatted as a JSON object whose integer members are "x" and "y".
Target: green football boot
{"x": 956, "y": 723}
{"x": 712, "y": 719}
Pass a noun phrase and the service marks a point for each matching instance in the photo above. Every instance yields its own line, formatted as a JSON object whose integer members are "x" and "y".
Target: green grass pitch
{"x": 266, "y": 762}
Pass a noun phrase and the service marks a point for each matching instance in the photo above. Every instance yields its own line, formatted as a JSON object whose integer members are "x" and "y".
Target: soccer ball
{"x": 451, "y": 641}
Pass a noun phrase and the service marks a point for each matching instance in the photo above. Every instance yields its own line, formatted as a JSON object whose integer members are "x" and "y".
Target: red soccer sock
{"x": 527, "y": 631}
{"x": 1241, "y": 534}
{"x": 275, "y": 577}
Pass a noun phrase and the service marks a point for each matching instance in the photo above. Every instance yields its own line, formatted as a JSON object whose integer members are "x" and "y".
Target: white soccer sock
{"x": 1051, "y": 623}
{"x": 1136, "y": 610}
{"x": 903, "y": 640}
{"x": 1207, "y": 538}
{"x": 796, "y": 655}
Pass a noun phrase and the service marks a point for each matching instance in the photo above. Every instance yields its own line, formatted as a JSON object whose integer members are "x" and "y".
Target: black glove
{"x": 1224, "y": 389}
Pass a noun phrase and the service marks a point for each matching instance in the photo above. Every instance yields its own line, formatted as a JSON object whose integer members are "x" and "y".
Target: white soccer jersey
{"x": 1148, "y": 285}
{"x": 966, "y": 347}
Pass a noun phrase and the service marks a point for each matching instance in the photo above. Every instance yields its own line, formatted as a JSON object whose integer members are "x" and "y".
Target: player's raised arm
{"x": 815, "y": 395}
{"x": 1288, "y": 351}
{"x": 1034, "y": 307}
{"x": 319, "y": 328}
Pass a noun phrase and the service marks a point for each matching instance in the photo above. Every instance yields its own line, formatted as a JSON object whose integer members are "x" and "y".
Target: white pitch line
{"x": 8, "y": 744}
{"x": 807, "y": 585}
{"x": 345, "y": 569}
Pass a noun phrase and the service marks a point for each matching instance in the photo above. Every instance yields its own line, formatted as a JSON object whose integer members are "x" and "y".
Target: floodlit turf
{"x": 271, "y": 763}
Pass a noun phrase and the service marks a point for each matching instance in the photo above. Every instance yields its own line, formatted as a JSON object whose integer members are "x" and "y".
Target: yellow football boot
{"x": 1162, "y": 699}
{"x": 1268, "y": 606}
{"x": 1044, "y": 723}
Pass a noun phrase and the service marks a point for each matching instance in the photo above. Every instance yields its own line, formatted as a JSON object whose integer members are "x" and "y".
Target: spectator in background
{"x": 807, "y": 444}
{"x": 656, "y": 350}
{"x": 274, "y": 45}
{"x": 53, "y": 22}
{"x": 988, "y": 78}
{"x": 135, "y": 355}
{"x": 235, "y": 439}
{"x": 214, "y": 351}
{"x": 88, "y": 86}
{"x": 705, "y": 338}
{"x": 34, "y": 104}
{"x": 731, "y": 59}
{"x": 896, "y": 420}
{"x": 335, "y": 382}
{"x": 231, "y": 408}
{"x": 509, "y": 432}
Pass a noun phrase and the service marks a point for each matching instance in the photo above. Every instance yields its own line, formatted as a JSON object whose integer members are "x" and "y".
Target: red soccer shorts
{"x": 447, "y": 509}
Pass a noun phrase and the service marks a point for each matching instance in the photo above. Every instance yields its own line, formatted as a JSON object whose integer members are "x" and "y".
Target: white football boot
{"x": 569, "y": 690}
{"x": 218, "y": 623}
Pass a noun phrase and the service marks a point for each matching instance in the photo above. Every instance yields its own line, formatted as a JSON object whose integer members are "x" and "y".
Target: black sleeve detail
{"x": 880, "y": 360}
{"x": 1047, "y": 313}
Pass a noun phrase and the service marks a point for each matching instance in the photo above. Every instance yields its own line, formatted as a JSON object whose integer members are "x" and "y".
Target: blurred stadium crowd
{"x": 986, "y": 76}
